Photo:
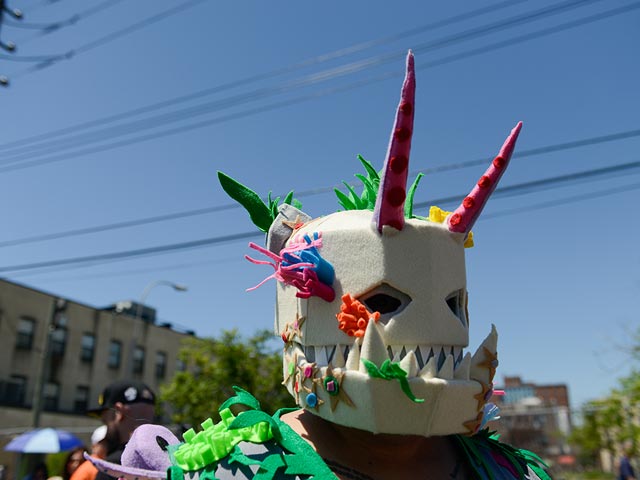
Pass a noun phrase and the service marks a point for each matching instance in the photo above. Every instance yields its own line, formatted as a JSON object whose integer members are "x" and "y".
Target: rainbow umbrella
{"x": 43, "y": 440}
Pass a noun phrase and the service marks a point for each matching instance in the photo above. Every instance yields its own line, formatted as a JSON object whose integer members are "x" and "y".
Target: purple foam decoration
{"x": 389, "y": 208}
{"x": 142, "y": 458}
{"x": 463, "y": 217}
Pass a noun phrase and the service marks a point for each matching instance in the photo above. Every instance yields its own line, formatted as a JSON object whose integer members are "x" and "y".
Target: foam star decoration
{"x": 480, "y": 396}
{"x": 293, "y": 224}
{"x": 490, "y": 361}
{"x": 308, "y": 371}
{"x": 340, "y": 395}
{"x": 291, "y": 330}
{"x": 312, "y": 400}
{"x": 291, "y": 368}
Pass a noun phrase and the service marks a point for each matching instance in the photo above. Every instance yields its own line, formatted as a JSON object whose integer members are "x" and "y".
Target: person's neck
{"x": 367, "y": 455}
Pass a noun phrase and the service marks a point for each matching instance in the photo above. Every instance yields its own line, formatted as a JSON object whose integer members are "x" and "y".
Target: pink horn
{"x": 469, "y": 210}
{"x": 389, "y": 209}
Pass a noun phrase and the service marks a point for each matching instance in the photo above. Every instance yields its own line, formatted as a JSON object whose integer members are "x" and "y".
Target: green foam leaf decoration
{"x": 241, "y": 397}
{"x": 344, "y": 201}
{"x": 371, "y": 172}
{"x": 369, "y": 193}
{"x": 391, "y": 371}
{"x": 259, "y": 213}
{"x": 408, "y": 205}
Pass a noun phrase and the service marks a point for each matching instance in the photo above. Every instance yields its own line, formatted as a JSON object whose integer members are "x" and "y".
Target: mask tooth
{"x": 441, "y": 355}
{"x": 321, "y": 356}
{"x": 409, "y": 364}
{"x": 392, "y": 357}
{"x": 485, "y": 359}
{"x": 446, "y": 371}
{"x": 429, "y": 370}
{"x": 310, "y": 353}
{"x": 462, "y": 370}
{"x": 419, "y": 357}
{"x": 353, "y": 360}
{"x": 338, "y": 357}
{"x": 373, "y": 346}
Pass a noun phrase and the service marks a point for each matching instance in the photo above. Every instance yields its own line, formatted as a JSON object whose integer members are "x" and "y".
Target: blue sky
{"x": 555, "y": 268}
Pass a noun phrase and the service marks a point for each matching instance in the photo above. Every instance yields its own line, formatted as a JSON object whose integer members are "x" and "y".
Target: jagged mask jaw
{"x": 422, "y": 266}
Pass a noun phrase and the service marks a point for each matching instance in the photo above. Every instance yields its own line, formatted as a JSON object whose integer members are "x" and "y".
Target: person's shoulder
{"x": 86, "y": 471}
{"x": 486, "y": 455}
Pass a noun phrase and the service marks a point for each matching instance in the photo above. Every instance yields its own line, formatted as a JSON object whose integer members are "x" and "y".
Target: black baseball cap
{"x": 123, "y": 391}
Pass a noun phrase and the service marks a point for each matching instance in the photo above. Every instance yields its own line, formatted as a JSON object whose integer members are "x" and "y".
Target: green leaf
{"x": 371, "y": 172}
{"x": 344, "y": 201}
{"x": 259, "y": 213}
{"x": 408, "y": 205}
{"x": 355, "y": 198}
{"x": 369, "y": 193}
{"x": 243, "y": 398}
{"x": 288, "y": 198}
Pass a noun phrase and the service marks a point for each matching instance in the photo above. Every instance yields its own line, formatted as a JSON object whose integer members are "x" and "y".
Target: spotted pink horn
{"x": 389, "y": 208}
{"x": 469, "y": 210}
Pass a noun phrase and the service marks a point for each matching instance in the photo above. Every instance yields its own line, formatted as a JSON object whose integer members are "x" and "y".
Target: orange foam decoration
{"x": 354, "y": 316}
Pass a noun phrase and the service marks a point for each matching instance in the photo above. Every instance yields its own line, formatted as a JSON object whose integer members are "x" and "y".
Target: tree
{"x": 214, "y": 366}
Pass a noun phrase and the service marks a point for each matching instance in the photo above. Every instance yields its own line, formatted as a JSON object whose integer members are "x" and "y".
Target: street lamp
{"x": 143, "y": 298}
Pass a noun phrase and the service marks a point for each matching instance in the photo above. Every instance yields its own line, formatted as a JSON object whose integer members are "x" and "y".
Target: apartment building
{"x": 57, "y": 355}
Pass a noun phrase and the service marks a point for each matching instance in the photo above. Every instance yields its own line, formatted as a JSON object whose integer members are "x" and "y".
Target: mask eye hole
{"x": 385, "y": 299}
{"x": 383, "y": 303}
{"x": 162, "y": 443}
{"x": 457, "y": 304}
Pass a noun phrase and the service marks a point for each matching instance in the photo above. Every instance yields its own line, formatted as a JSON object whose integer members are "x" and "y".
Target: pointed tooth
{"x": 442, "y": 356}
{"x": 429, "y": 370}
{"x": 331, "y": 350}
{"x": 321, "y": 356}
{"x": 390, "y": 352}
{"x": 373, "y": 347}
{"x": 353, "y": 360}
{"x": 488, "y": 348}
{"x": 446, "y": 371}
{"x": 419, "y": 357}
{"x": 409, "y": 364}
{"x": 462, "y": 371}
{"x": 338, "y": 357}
{"x": 396, "y": 358}
{"x": 310, "y": 353}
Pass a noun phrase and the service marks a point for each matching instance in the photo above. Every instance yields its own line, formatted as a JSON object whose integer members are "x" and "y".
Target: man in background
{"x": 123, "y": 406}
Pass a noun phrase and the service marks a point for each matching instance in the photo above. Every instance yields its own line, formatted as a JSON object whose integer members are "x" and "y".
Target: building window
{"x": 161, "y": 364}
{"x": 115, "y": 352}
{"x": 180, "y": 365}
{"x": 24, "y": 333}
{"x": 87, "y": 347}
{"x": 12, "y": 391}
{"x": 58, "y": 341}
{"x": 138, "y": 360}
{"x": 51, "y": 394}
{"x": 81, "y": 402}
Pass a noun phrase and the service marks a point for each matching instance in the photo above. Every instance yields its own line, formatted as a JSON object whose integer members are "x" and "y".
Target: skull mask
{"x": 371, "y": 305}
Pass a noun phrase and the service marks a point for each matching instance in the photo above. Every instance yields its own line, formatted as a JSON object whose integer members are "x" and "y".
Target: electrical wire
{"x": 516, "y": 189}
{"x": 312, "y": 79}
{"x": 307, "y": 193}
{"x": 51, "y": 27}
{"x": 176, "y": 130}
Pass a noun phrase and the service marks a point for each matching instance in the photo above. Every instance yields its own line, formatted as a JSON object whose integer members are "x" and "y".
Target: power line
{"x": 525, "y": 187}
{"x": 306, "y": 193}
{"x": 300, "y": 99}
{"x": 263, "y": 76}
{"x": 47, "y": 61}
{"x": 45, "y": 148}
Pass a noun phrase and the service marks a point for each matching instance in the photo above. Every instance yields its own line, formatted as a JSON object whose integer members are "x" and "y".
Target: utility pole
{"x": 58, "y": 305}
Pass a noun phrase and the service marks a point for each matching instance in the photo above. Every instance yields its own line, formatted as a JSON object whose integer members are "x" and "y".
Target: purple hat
{"x": 144, "y": 458}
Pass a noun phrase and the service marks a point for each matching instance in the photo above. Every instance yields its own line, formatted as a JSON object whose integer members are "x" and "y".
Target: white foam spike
{"x": 353, "y": 359}
{"x": 429, "y": 370}
{"x": 446, "y": 371}
{"x": 479, "y": 370}
{"x": 338, "y": 357}
{"x": 321, "y": 356}
{"x": 373, "y": 346}
{"x": 410, "y": 364}
{"x": 462, "y": 372}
